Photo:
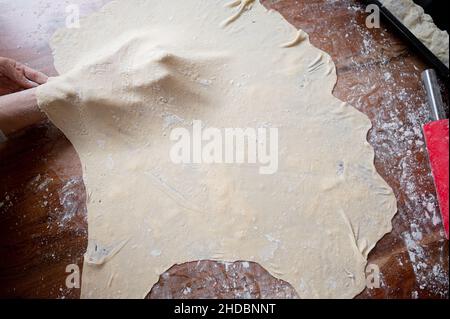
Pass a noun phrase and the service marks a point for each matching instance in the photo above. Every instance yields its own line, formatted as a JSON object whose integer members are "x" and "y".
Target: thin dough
{"x": 299, "y": 38}
{"x": 137, "y": 69}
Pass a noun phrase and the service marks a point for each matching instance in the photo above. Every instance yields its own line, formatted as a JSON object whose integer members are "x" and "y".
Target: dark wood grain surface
{"x": 43, "y": 224}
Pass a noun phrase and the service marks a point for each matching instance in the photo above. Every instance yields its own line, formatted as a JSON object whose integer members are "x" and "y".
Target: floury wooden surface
{"x": 43, "y": 224}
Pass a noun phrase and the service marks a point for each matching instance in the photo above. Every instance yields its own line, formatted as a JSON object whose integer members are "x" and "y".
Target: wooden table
{"x": 43, "y": 224}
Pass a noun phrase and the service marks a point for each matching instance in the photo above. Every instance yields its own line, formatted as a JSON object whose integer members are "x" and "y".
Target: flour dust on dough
{"x": 136, "y": 70}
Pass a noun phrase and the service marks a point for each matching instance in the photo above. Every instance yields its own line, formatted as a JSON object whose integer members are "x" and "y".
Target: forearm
{"x": 18, "y": 111}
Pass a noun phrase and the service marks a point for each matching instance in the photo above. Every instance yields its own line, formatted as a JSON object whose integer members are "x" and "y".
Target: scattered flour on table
{"x": 398, "y": 112}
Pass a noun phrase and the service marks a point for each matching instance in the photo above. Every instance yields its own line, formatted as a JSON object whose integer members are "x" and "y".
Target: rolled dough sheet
{"x": 136, "y": 70}
{"x": 421, "y": 25}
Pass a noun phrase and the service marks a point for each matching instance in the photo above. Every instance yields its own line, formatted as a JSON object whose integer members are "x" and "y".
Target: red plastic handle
{"x": 437, "y": 138}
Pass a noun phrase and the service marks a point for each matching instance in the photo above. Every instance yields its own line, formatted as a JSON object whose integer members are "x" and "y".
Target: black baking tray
{"x": 415, "y": 43}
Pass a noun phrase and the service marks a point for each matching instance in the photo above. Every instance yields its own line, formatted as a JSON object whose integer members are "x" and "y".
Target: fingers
{"x": 35, "y": 76}
{"x": 20, "y": 77}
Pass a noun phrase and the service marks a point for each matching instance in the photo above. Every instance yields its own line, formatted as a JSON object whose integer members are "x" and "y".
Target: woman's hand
{"x": 15, "y": 76}
{"x": 18, "y": 104}
{"x": 18, "y": 111}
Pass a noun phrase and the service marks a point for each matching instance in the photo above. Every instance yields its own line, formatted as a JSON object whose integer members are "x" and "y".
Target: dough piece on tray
{"x": 422, "y": 26}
